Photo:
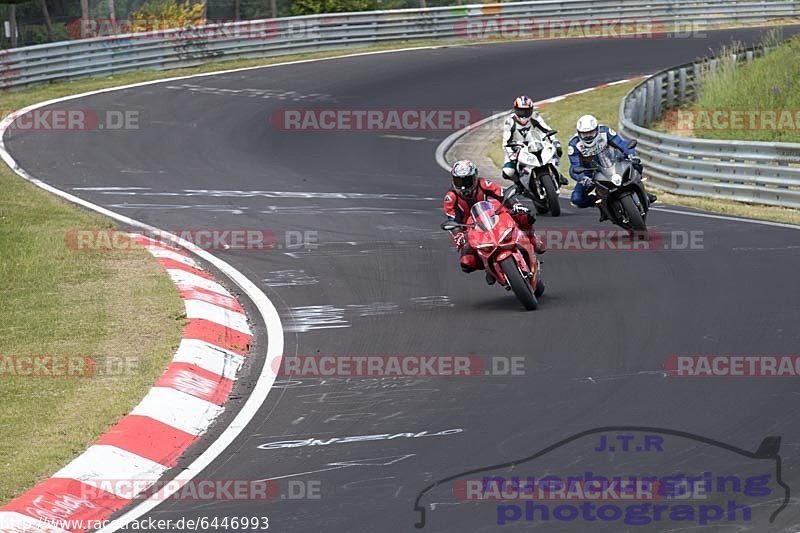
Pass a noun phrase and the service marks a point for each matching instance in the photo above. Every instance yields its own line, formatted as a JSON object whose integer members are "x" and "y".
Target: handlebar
{"x": 450, "y": 225}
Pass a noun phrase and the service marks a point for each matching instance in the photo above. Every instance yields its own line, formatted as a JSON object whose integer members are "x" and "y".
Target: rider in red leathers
{"x": 466, "y": 191}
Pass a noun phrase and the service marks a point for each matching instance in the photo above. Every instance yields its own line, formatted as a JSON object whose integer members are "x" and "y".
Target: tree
{"x": 12, "y": 14}
{"x": 163, "y": 14}
{"x": 47, "y": 21}
{"x": 311, "y": 7}
{"x": 112, "y": 16}
{"x": 85, "y": 11}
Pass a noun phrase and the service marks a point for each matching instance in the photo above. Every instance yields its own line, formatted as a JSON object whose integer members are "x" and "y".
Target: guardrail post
{"x": 641, "y": 105}
{"x": 681, "y": 86}
{"x": 670, "y": 89}
{"x": 648, "y": 99}
{"x": 693, "y": 81}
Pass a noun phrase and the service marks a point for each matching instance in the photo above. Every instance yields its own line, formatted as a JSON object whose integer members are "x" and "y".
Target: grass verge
{"x": 111, "y": 306}
{"x": 765, "y": 92}
{"x": 604, "y": 104}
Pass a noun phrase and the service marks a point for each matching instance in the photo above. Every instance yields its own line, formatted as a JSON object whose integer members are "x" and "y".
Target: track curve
{"x": 384, "y": 281}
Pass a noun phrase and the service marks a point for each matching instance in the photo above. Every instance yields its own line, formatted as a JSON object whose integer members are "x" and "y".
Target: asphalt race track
{"x": 384, "y": 280}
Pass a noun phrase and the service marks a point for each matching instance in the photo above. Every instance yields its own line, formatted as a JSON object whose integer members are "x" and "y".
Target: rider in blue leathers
{"x": 591, "y": 139}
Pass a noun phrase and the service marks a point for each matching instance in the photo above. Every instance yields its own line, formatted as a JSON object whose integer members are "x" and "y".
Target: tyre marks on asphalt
{"x": 289, "y": 278}
{"x": 313, "y": 317}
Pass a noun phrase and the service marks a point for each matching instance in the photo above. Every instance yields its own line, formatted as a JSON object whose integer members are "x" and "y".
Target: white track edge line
{"x": 265, "y": 307}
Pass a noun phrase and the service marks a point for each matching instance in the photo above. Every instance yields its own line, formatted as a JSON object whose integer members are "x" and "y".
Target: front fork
{"x": 526, "y": 271}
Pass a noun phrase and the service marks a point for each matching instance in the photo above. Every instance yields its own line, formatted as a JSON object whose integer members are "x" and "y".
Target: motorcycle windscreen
{"x": 606, "y": 158}
{"x": 484, "y": 215}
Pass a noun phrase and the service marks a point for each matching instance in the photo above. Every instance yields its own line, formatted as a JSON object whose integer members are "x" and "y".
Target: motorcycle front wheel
{"x": 549, "y": 184}
{"x": 635, "y": 218}
{"x": 520, "y": 286}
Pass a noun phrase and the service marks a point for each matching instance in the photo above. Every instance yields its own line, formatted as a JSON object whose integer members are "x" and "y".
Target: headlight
{"x": 488, "y": 245}
{"x": 616, "y": 179}
{"x": 506, "y": 234}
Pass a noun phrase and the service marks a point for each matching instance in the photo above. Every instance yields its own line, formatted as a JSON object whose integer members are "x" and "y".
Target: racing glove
{"x": 519, "y": 208}
{"x": 586, "y": 182}
{"x": 559, "y": 150}
{"x": 459, "y": 239}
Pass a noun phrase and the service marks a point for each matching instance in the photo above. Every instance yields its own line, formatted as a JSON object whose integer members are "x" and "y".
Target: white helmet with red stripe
{"x": 523, "y": 110}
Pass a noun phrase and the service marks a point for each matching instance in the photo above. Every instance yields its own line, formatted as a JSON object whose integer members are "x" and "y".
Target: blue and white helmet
{"x": 587, "y": 128}
{"x": 465, "y": 177}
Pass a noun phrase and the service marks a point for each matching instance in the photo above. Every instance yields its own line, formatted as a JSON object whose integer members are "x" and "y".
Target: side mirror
{"x": 580, "y": 170}
{"x": 632, "y": 143}
{"x": 450, "y": 225}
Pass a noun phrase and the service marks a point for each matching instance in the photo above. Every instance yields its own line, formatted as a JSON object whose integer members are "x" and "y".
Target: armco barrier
{"x": 757, "y": 172}
{"x": 101, "y": 56}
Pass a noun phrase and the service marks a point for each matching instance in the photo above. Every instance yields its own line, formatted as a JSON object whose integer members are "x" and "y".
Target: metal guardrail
{"x": 22, "y": 67}
{"x": 765, "y": 173}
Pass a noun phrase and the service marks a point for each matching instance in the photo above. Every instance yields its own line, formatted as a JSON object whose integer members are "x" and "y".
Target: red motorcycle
{"x": 505, "y": 250}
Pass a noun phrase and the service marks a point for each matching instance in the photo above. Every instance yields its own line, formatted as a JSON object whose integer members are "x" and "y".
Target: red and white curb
{"x": 554, "y": 99}
{"x": 183, "y": 403}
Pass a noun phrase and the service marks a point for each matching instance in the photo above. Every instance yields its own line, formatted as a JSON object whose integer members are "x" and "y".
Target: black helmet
{"x": 465, "y": 177}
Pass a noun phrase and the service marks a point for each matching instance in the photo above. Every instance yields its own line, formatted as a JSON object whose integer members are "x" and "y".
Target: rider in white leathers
{"x": 522, "y": 127}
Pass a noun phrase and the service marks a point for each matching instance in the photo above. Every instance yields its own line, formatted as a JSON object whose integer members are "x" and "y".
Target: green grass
{"x": 604, "y": 104}
{"x": 54, "y": 300}
{"x": 57, "y": 301}
{"x": 767, "y": 84}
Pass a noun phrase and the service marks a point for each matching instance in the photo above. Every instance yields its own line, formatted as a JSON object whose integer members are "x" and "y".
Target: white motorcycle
{"x": 537, "y": 168}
